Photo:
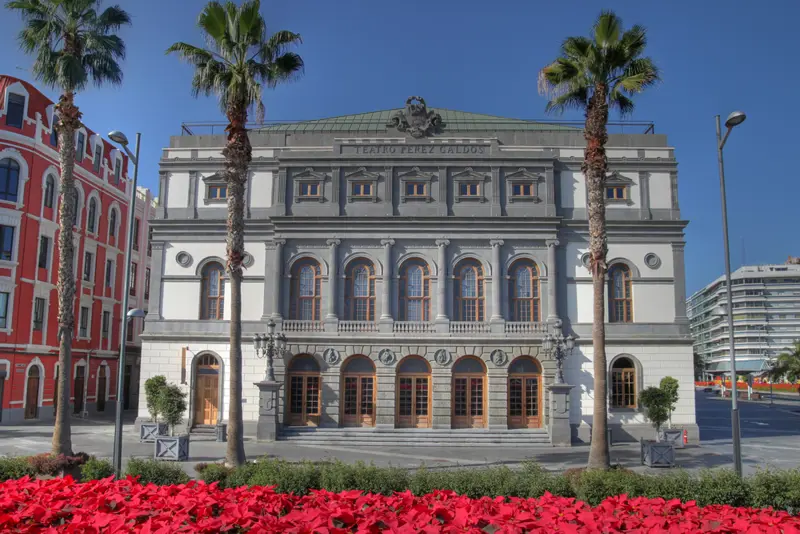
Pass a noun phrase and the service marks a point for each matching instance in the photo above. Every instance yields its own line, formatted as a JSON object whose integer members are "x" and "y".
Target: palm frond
{"x": 634, "y": 41}
{"x": 639, "y": 75}
{"x": 622, "y": 103}
{"x": 576, "y": 98}
{"x": 607, "y": 29}
{"x": 112, "y": 19}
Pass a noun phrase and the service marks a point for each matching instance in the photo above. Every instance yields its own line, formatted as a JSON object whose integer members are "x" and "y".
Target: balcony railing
{"x": 358, "y": 326}
{"x": 413, "y": 327}
{"x": 302, "y": 326}
{"x": 468, "y": 327}
{"x": 525, "y": 328}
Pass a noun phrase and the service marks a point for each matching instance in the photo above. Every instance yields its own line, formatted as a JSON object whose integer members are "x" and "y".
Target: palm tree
{"x": 593, "y": 74}
{"x": 239, "y": 60}
{"x": 787, "y": 365}
{"x": 73, "y": 43}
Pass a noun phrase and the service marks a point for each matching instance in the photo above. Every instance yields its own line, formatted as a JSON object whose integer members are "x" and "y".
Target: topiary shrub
{"x": 155, "y": 472}
{"x": 670, "y": 386}
{"x": 13, "y": 467}
{"x": 96, "y": 469}
{"x": 171, "y": 402}
{"x": 657, "y": 402}
{"x": 152, "y": 391}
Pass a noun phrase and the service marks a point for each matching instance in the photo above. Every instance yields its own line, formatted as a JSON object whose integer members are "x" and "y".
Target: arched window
{"x": 76, "y": 218}
{"x": 9, "y": 179}
{"x": 360, "y": 291}
{"x": 469, "y": 291}
{"x": 49, "y": 191}
{"x": 213, "y": 292}
{"x": 623, "y": 384}
{"x": 91, "y": 218}
{"x": 112, "y": 223}
{"x": 620, "y": 299}
{"x": 415, "y": 294}
{"x": 306, "y": 280}
{"x": 524, "y": 292}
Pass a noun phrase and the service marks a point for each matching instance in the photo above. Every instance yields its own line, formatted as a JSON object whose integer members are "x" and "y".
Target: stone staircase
{"x": 203, "y": 433}
{"x": 414, "y": 437}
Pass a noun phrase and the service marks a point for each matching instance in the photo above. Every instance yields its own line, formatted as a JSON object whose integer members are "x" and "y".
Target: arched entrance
{"x": 304, "y": 382}
{"x": 32, "y": 394}
{"x": 206, "y": 390}
{"x": 469, "y": 398}
{"x": 413, "y": 393}
{"x": 100, "y": 394}
{"x": 358, "y": 392}
{"x": 80, "y": 383}
{"x": 524, "y": 393}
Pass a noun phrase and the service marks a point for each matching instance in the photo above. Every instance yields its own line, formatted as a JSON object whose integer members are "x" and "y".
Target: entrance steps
{"x": 203, "y": 433}
{"x": 414, "y": 437}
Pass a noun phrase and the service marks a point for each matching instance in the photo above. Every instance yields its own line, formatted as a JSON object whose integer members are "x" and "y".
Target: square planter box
{"x": 672, "y": 435}
{"x": 221, "y": 432}
{"x": 657, "y": 454}
{"x": 172, "y": 448}
{"x": 149, "y": 431}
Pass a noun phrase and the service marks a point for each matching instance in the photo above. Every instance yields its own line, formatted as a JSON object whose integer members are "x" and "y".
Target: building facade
{"x": 29, "y": 197}
{"x": 415, "y": 259}
{"x": 766, "y": 318}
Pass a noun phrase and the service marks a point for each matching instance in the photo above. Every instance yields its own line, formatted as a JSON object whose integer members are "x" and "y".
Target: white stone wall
{"x": 178, "y": 196}
{"x": 660, "y": 190}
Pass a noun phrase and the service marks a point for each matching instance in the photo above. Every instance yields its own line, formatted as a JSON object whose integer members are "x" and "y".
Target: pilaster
{"x": 273, "y": 282}
{"x": 559, "y": 428}
{"x": 331, "y": 319}
{"x": 496, "y": 209}
{"x": 444, "y": 202}
{"x": 441, "y": 396}
{"x": 644, "y": 196}
{"x": 497, "y": 398}
{"x": 552, "y": 281}
{"x": 497, "y": 321}
{"x": 156, "y": 271}
{"x": 386, "y": 320}
{"x": 442, "y": 320}
{"x": 385, "y": 401}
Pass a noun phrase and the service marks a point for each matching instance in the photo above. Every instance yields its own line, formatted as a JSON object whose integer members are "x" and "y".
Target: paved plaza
{"x": 770, "y": 438}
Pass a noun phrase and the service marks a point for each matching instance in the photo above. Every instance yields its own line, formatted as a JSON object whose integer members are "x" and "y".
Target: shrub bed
{"x": 124, "y": 506}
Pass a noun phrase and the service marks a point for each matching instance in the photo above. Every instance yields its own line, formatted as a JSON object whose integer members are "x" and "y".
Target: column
{"x": 497, "y": 280}
{"x": 441, "y": 304}
{"x": 552, "y": 282}
{"x": 386, "y": 309}
{"x": 277, "y": 279}
{"x": 333, "y": 276}
{"x": 156, "y": 267}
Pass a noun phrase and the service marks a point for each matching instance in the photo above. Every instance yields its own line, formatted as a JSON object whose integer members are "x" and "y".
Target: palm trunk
{"x": 238, "y": 154}
{"x": 594, "y": 168}
{"x": 69, "y": 122}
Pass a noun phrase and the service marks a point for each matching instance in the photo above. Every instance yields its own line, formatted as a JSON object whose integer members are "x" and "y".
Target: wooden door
{"x": 304, "y": 405}
{"x": 358, "y": 394}
{"x": 413, "y": 401}
{"x": 32, "y": 395}
{"x": 207, "y": 404}
{"x": 80, "y": 376}
{"x": 524, "y": 401}
{"x": 468, "y": 401}
{"x": 101, "y": 388}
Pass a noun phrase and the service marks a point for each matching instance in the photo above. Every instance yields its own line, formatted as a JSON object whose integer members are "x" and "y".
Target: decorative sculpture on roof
{"x": 416, "y": 118}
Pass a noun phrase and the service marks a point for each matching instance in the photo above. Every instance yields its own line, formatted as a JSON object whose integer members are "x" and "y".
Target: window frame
{"x": 49, "y": 191}
{"x": 626, "y": 300}
{"x": 9, "y": 96}
{"x": 83, "y": 322}
{"x": 218, "y": 299}
{"x": 109, "y": 282}
{"x": 97, "y": 158}
{"x": 80, "y": 143}
{"x": 117, "y": 170}
{"x": 480, "y": 290}
{"x": 468, "y": 177}
{"x": 534, "y": 302}
{"x": 38, "y": 313}
{"x": 351, "y": 300}
{"x": 44, "y": 252}
{"x": 296, "y": 299}
{"x": 112, "y": 223}
{"x": 88, "y": 263}
{"x": 4, "y": 296}
{"x": 7, "y": 192}
{"x": 309, "y": 177}
{"x": 105, "y": 325}
{"x": 91, "y": 216}
{"x": 10, "y": 246}
{"x": 362, "y": 179}
{"x": 614, "y": 382}
{"x": 415, "y": 175}
{"x": 404, "y": 299}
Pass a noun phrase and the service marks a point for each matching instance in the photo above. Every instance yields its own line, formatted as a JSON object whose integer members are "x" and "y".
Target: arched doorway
{"x": 524, "y": 393}
{"x": 413, "y": 393}
{"x": 358, "y": 392}
{"x": 206, "y": 389}
{"x": 100, "y": 394}
{"x": 304, "y": 382}
{"x": 469, "y": 398}
{"x": 80, "y": 383}
{"x": 32, "y": 394}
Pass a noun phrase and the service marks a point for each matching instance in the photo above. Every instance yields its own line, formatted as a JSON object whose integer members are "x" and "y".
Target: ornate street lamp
{"x": 267, "y": 346}
{"x": 561, "y": 347}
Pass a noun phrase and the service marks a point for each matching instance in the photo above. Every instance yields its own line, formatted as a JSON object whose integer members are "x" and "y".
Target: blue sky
{"x": 484, "y": 57}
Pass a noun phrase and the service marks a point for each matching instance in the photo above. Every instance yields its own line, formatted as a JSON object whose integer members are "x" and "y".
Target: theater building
{"x": 415, "y": 258}
{"x": 29, "y": 197}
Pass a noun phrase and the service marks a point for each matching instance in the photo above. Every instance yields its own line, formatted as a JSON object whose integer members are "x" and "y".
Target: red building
{"x": 29, "y": 196}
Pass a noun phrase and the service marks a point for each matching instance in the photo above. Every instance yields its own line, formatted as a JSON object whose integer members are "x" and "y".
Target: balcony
{"x": 302, "y": 326}
{"x": 413, "y": 327}
{"x": 526, "y": 328}
{"x": 357, "y": 326}
{"x": 468, "y": 327}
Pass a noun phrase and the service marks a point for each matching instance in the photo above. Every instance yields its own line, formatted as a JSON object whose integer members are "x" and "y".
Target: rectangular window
{"x": 109, "y": 272}
{"x": 136, "y": 234}
{"x": 15, "y": 110}
{"x": 38, "y": 314}
{"x": 44, "y": 251}
{"x": 9, "y": 179}
{"x": 132, "y": 281}
{"x": 362, "y": 189}
{"x": 217, "y": 192}
{"x": 522, "y": 190}
{"x": 3, "y": 310}
{"x": 117, "y": 171}
{"x": 6, "y": 242}
{"x": 416, "y": 189}
{"x": 309, "y": 190}
{"x": 88, "y": 258}
{"x": 98, "y": 156}
{"x": 147, "y": 284}
{"x": 468, "y": 189}
{"x": 106, "y": 323}
{"x": 615, "y": 193}
{"x": 54, "y": 132}
{"x": 80, "y": 147}
{"x": 84, "y": 322}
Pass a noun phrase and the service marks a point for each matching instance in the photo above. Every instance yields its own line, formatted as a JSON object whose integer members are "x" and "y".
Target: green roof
{"x": 453, "y": 121}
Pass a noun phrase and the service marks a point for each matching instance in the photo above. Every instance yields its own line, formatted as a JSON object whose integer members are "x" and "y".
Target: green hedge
{"x": 156, "y": 472}
{"x": 12, "y": 467}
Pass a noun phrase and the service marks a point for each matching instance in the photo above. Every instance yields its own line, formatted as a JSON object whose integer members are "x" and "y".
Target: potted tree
{"x": 172, "y": 406}
{"x": 670, "y": 386}
{"x": 656, "y": 453}
{"x": 153, "y": 387}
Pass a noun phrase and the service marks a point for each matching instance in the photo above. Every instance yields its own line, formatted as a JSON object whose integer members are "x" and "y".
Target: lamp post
{"x": 266, "y": 347}
{"x": 120, "y": 138}
{"x": 561, "y": 347}
{"x": 734, "y": 119}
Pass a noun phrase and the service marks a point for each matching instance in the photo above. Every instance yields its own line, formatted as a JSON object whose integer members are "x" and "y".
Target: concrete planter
{"x": 657, "y": 453}
{"x": 172, "y": 448}
{"x": 672, "y": 435}
{"x": 221, "y": 432}
{"x": 149, "y": 431}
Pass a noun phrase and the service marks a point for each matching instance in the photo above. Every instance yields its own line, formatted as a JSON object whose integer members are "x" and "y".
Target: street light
{"x": 561, "y": 347}
{"x": 734, "y": 119}
{"x": 266, "y": 347}
{"x": 121, "y": 139}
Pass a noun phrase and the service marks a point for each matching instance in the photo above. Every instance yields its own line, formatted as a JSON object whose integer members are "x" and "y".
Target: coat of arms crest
{"x": 416, "y": 118}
